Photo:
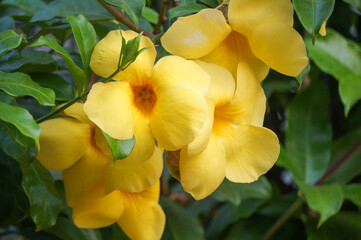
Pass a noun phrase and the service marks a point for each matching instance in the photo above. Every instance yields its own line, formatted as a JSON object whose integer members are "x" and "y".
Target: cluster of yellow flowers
{"x": 206, "y": 101}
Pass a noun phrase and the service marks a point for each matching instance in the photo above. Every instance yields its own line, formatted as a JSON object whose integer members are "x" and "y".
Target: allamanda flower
{"x": 76, "y": 146}
{"x": 232, "y": 143}
{"x": 165, "y": 101}
{"x": 257, "y": 31}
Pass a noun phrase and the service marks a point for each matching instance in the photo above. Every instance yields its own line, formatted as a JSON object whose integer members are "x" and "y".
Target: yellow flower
{"x": 259, "y": 32}
{"x": 138, "y": 214}
{"x": 165, "y": 102}
{"x": 232, "y": 143}
{"x": 76, "y": 146}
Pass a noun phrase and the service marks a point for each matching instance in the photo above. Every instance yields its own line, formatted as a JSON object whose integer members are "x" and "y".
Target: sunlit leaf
{"x": 86, "y": 39}
{"x": 150, "y": 15}
{"x": 120, "y": 148}
{"x": 20, "y": 85}
{"x": 21, "y": 119}
{"x": 9, "y": 40}
{"x": 341, "y": 58}
{"x": 325, "y": 199}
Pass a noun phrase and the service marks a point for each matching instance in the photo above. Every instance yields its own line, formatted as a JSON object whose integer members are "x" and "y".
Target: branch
{"x": 162, "y": 18}
{"x": 120, "y": 16}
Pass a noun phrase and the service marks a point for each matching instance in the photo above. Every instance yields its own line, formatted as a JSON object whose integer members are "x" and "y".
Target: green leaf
{"x": 28, "y": 6}
{"x": 185, "y": 9}
{"x": 9, "y": 40}
{"x": 345, "y": 226}
{"x": 352, "y": 192}
{"x": 86, "y": 39}
{"x": 45, "y": 203}
{"x": 18, "y": 137}
{"x": 65, "y": 229}
{"x": 133, "y": 8}
{"x": 76, "y": 72}
{"x": 350, "y": 168}
{"x": 235, "y": 192}
{"x": 27, "y": 61}
{"x": 21, "y": 119}
{"x": 184, "y": 225}
{"x": 8, "y": 145}
{"x": 6, "y": 23}
{"x": 341, "y": 58}
{"x": 91, "y": 9}
{"x": 303, "y": 74}
{"x": 120, "y": 148}
{"x": 313, "y": 13}
{"x": 325, "y": 199}
{"x": 356, "y": 3}
{"x": 308, "y": 137}
{"x": 62, "y": 88}
{"x": 210, "y": 3}
{"x": 20, "y": 85}
{"x": 150, "y": 15}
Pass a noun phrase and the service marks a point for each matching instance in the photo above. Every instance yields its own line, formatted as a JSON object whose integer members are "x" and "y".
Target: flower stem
{"x": 162, "y": 18}
{"x": 294, "y": 207}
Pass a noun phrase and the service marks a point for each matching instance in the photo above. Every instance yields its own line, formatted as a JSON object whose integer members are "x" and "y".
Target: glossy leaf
{"x": 29, "y": 7}
{"x": 6, "y": 23}
{"x": 45, "y": 203}
{"x": 8, "y": 145}
{"x": 120, "y": 148}
{"x": 91, "y": 9}
{"x": 341, "y": 58}
{"x": 184, "y": 225}
{"x": 20, "y": 85}
{"x": 150, "y": 15}
{"x": 313, "y": 13}
{"x": 185, "y": 9}
{"x": 352, "y": 192}
{"x": 76, "y": 72}
{"x": 350, "y": 168}
{"x": 9, "y": 40}
{"x": 325, "y": 199}
{"x": 133, "y": 8}
{"x": 21, "y": 119}
{"x": 86, "y": 39}
{"x": 308, "y": 137}
{"x": 235, "y": 192}
{"x": 27, "y": 61}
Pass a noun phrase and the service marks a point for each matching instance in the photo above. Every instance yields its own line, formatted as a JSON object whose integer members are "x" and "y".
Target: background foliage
{"x": 313, "y": 192}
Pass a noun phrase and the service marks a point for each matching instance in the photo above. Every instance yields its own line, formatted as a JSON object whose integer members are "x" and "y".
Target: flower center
{"x": 144, "y": 98}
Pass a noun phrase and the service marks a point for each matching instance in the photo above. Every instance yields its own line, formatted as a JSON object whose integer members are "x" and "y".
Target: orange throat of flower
{"x": 144, "y": 98}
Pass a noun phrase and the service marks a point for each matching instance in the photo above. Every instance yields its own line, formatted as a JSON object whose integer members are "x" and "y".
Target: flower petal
{"x": 252, "y": 153}
{"x": 105, "y": 57}
{"x": 196, "y": 35}
{"x": 174, "y": 69}
{"x": 143, "y": 218}
{"x": 279, "y": 46}
{"x": 63, "y": 142}
{"x": 77, "y": 111}
{"x": 201, "y": 141}
{"x": 94, "y": 209}
{"x": 245, "y": 15}
{"x": 109, "y": 107}
{"x": 323, "y": 30}
{"x": 222, "y": 83}
{"x": 231, "y": 51}
{"x": 178, "y": 116}
{"x": 92, "y": 167}
{"x": 136, "y": 179}
{"x": 200, "y": 175}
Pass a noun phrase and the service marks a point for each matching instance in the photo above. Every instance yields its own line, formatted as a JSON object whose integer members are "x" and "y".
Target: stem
{"x": 338, "y": 163}
{"x": 295, "y": 206}
{"x": 162, "y": 18}
{"x": 120, "y": 16}
{"x": 60, "y": 109}
{"x": 298, "y": 203}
